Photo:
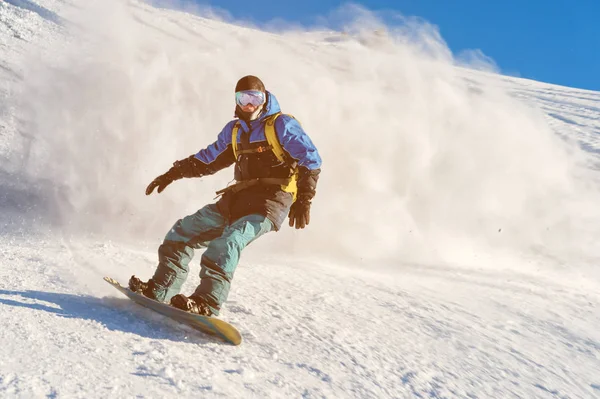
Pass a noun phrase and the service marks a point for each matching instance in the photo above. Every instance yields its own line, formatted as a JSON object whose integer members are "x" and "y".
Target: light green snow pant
{"x": 224, "y": 242}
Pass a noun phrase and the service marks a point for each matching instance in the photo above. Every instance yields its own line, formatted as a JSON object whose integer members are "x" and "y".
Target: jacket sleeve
{"x": 296, "y": 142}
{"x": 219, "y": 154}
{"x": 300, "y": 147}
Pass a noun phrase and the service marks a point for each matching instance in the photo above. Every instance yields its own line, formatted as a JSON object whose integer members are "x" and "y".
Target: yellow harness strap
{"x": 272, "y": 139}
{"x": 275, "y": 146}
{"x": 234, "y": 145}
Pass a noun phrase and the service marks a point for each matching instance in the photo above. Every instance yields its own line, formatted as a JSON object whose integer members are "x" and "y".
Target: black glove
{"x": 307, "y": 185}
{"x": 188, "y": 167}
{"x": 162, "y": 182}
{"x": 300, "y": 213}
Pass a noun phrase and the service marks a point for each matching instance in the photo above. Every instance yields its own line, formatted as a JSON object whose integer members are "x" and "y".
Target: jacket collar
{"x": 271, "y": 107}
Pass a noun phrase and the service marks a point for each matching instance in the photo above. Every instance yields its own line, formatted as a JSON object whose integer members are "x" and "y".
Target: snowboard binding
{"x": 192, "y": 304}
{"x": 139, "y": 287}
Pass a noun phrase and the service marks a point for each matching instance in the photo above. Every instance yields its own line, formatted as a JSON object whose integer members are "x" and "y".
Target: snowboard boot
{"x": 192, "y": 304}
{"x": 138, "y": 286}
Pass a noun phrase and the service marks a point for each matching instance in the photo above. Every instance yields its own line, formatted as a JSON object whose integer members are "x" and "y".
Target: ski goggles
{"x": 254, "y": 97}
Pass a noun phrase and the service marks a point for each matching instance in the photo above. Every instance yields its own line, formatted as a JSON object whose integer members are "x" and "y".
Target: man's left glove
{"x": 188, "y": 167}
{"x": 300, "y": 213}
{"x": 307, "y": 185}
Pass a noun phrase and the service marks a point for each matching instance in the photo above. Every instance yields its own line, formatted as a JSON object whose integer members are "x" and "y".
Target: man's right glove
{"x": 300, "y": 213}
{"x": 163, "y": 181}
{"x": 188, "y": 167}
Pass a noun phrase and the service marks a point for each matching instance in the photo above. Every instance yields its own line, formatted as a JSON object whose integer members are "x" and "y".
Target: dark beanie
{"x": 250, "y": 83}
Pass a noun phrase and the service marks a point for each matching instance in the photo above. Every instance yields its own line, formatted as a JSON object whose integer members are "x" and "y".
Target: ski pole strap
{"x": 243, "y": 184}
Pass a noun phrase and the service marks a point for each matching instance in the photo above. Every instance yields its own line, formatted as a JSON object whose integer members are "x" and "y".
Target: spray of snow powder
{"x": 423, "y": 160}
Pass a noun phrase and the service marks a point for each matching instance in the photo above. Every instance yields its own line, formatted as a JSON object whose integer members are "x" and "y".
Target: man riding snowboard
{"x": 276, "y": 171}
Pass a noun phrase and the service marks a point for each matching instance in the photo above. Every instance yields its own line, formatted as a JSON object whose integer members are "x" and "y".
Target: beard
{"x": 248, "y": 116}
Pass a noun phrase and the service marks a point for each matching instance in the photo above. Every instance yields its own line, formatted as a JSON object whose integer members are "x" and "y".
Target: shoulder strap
{"x": 272, "y": 138}
{"x": 234, "y": 144}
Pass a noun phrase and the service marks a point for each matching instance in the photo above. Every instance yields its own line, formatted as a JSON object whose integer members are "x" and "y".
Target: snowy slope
{"x": 452, "y": 251}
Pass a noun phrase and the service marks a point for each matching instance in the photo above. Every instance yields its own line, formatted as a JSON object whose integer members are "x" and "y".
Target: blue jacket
{"x": 289, "y": 132}
{"x": 270, "y": 201}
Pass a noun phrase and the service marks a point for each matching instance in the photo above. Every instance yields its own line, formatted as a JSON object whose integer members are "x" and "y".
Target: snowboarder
{"x": 276, "y": 172}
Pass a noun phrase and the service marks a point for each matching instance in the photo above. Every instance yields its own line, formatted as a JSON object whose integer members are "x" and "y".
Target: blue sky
{"x": 556, "y": 41}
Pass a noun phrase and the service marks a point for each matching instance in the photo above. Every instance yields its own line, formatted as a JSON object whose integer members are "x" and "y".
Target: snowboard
{"x": 208, "y": 325}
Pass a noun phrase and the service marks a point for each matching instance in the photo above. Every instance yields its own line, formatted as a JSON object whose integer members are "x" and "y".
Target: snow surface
{"x": 452, "y": 251}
